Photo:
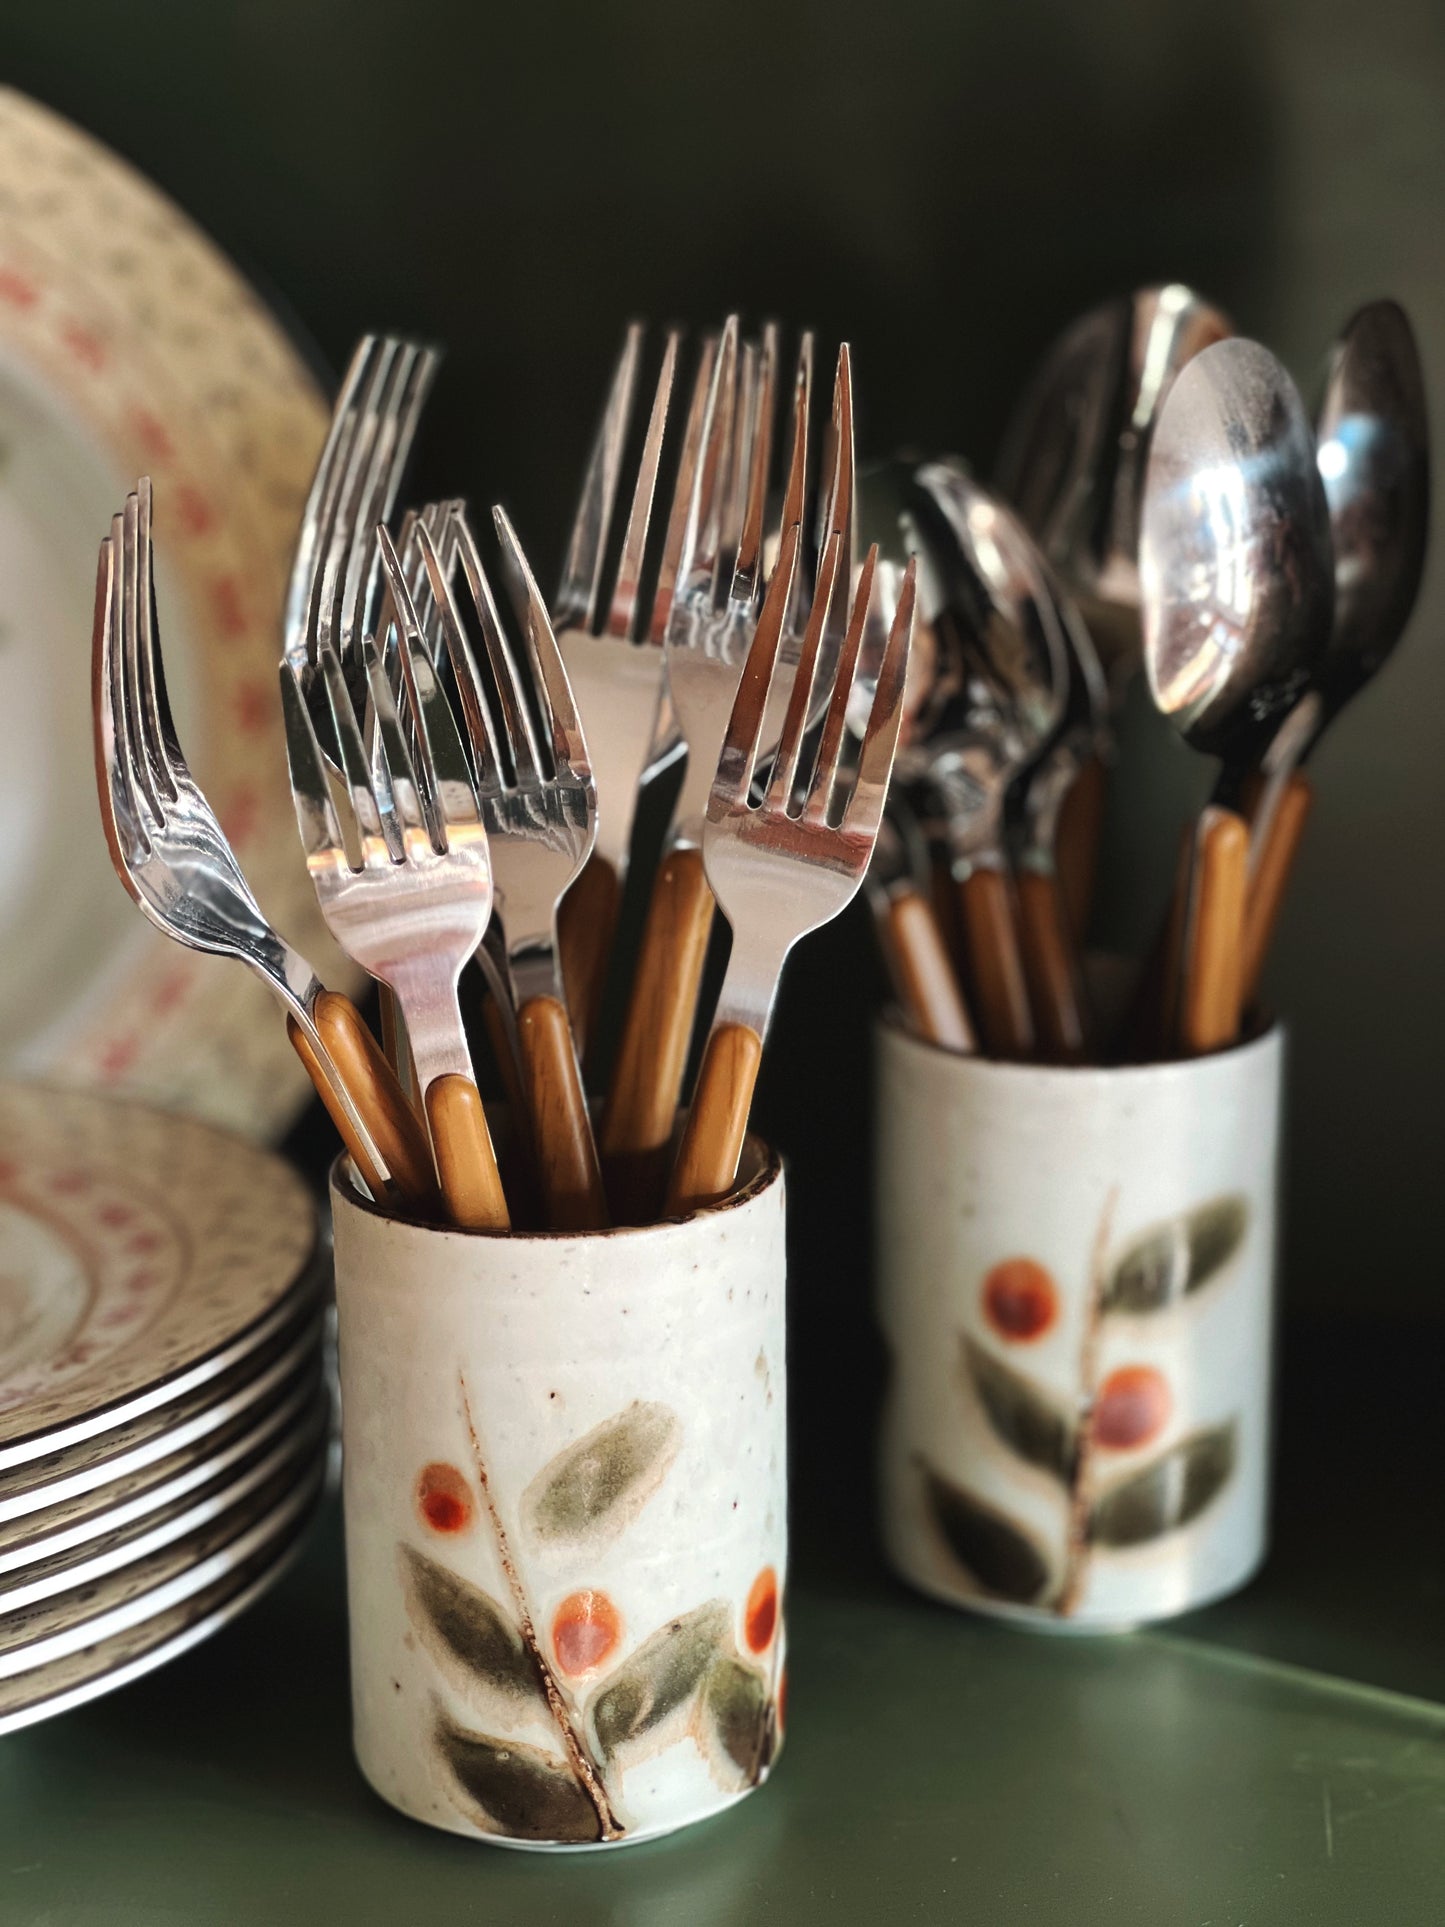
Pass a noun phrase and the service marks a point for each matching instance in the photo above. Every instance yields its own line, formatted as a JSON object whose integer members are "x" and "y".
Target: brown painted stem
{"x": 1081, "y": 1485}
{"x": 1271, "y": 880}
{"x": 586, "y": 926}
{"x": 712, "y": 1139}
{"x": 395, "y": 1129}
{"x": 1213, "y": 983}
{"x": 1051, "y": 968}
{"x": 568, "y": 1174}
{"x": 1000, "y": 996}
{"x": 921, "y": 971}
{"x": 578, "y": 1758}
{"x": 466, "y": 1162}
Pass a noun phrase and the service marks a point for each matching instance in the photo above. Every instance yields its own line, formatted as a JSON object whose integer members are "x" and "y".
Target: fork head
{"x": 782, "y": 867}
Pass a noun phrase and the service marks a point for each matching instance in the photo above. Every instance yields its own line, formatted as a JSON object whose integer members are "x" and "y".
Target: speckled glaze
{"x": 1076, "y": 1283}
{"x": 564, "y": 1473}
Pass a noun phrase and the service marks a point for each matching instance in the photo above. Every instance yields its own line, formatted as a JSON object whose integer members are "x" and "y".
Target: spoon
{"x": 1236, "y": 578}
{"x": 1073, "y": 458}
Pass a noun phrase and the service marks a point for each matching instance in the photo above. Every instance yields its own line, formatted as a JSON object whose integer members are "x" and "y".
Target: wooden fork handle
{"x": 586, "y": 926}
{"x": 1051, "y": 968}
{"x": 568, "y": 1174}
{"x": 466, "y": 1162}
{"x": 1076, "y": 846}
{"x": 921, "y": 971}
{"x": 396, "y": 1131}
{"x": 641, "y": 1107}
{"x": 712, "y": 1138}
{"x": 1001, "y": 1002}
{"x": 1212, "y": 1001}
{"x": 1273, "y": 866}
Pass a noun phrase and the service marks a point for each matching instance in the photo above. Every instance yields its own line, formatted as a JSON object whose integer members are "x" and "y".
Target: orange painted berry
{"x": 760, "y": 1616}
{"x": 1020, "y": 1300}
{"x": 443, "y": 1498}
{"x": 585, "y": 1630}
{"x": 1133, "y": 1407}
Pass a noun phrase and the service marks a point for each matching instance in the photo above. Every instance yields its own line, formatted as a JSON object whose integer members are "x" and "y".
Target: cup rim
{"x": 1268, "y": 1040}
{"x": 342, "y": 1184}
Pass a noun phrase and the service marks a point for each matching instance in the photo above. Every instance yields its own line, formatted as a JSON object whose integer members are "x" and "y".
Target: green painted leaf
{"x": 1170, "y": 1260}
{"x": 660, "y": 1676}
{"x": 737, "y": 1718}
{"x": 516, "y": 1790}
{"x": 602, "y": 1481}
{"x": 461, "y": 1625}
{"x": 999, "y": 1553}
{"x": 1026, "y": 1418}
{"x": 1169, "y": 1493}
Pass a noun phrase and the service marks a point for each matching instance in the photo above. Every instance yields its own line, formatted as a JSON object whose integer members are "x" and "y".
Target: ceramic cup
{"x": 1076, "y": 1285}
{"x": 565, "y": 1483}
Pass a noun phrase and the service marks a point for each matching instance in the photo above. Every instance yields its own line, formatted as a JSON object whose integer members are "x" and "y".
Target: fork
{"x": 712, "y": 622}
{"x": 778, "y": 871}
{"x": 538, "y": 801}
{"x": 412, "y": 922}
{"x": 175, "y": 862}
{"x": 617, "y": 680}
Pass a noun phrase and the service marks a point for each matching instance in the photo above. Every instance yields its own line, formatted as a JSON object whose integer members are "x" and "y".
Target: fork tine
{"x": 830, "y": 746}
{"x": 622, "y": 614}
{"x": 741, "y": 434}
{"x": 152, "y": 657}
{"x": 400, "y": 414}
{"x": 118, "y": 814}
{"x": 354, "y": 766}
{"x": 697, "y": 568}
{"x": 517, "y": 726}
{"x": 319, "y": 514}
{"x": 748, "y": 567}
{"x": 582, "y": 571}
{"x": 400, "y": 769}
{"x": 800, "y": 696}
{"x": 153, "y": 778}
{"x": 739, "y": 754}
{"x": 569, "y": 745}
{"x": 840, "y": 509}
{"x": 476, "y": 707}
{"x": 331, "y": 558}
{"x": 864, "y": 810}
{"x": 682, "y": 494}
{"x": 316, "y": 817}
{"x": 795, "y": 491}
{"x": 441, "y": 765}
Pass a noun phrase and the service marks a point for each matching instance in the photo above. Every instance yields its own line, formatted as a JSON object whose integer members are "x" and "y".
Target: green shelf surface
{"x": 938, "y": 1769}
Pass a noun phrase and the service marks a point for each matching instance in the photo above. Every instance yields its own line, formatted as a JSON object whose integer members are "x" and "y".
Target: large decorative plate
{"x": 136, "y": 1248}
{"x": 129, "y": 345}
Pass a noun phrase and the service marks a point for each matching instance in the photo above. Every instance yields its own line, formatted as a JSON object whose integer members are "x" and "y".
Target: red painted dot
{"x": 1020, "y": 1300}
{"x": 760, "y": 1616}
{"x": 585, "y": 1630}
{"x": 443, "y": 1498}
{"x": 1133, "y": 1407}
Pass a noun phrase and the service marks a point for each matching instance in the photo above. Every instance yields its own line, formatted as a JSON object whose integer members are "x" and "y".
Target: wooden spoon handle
{"x": 641, "y": 1108}
{"x": 712, "y": 1138}
{"x": 921, "y": 970}
{"x": 1212, "y": 996}
{"x": 395, "y": 1128}
{"x": 1076, "y": 846}
{"x": 568, "y": 1174}
{"x": 1273, "y": 865}
{"x": 586, "y": 925}
{"x": 466, "y": 1163}
{"x": 1051, "y": 968}
{"x": 1000, "y": 995}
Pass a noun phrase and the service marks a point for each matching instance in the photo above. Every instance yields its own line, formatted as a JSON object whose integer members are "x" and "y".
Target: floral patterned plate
{"x": 129, "y": 345}
{"x": 140, "y": 1257}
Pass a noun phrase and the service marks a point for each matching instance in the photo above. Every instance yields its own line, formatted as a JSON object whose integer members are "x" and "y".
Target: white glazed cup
{"x": 565, "y": 1486}
{"x": 1076, "y": 1285}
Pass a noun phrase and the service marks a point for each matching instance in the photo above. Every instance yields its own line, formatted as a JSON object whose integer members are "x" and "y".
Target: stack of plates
{"x": 163, "y": 1417}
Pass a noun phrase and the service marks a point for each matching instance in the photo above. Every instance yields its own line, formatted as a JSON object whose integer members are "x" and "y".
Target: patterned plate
{"x": 137, "y": 1251}
{"x": 129, "y": 345}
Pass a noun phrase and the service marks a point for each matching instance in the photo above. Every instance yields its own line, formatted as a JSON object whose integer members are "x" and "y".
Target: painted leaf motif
{"x": 1027, "y": 1420}
{"x": 517, "y": 1790}
{"x": 660, "y": 1676}
{"x": 600, "y": 1482}
{"x": 462, "y": 1625}
{"x": 1169, "y": 1493}
{"x": 1170, "y": 1260}
{"x": 737, "y": 1718}
{"x": 1000, "y": 1554}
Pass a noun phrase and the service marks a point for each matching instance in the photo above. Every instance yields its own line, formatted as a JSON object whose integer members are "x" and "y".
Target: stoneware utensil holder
{"x": 564, "y": 1473}
{"x": 1076, "y": 1286}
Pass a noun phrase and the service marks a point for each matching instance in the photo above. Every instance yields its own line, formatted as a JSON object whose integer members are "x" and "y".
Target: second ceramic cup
{"x": 565, "y": 1485}
{"x": 1076, "y": 1279}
